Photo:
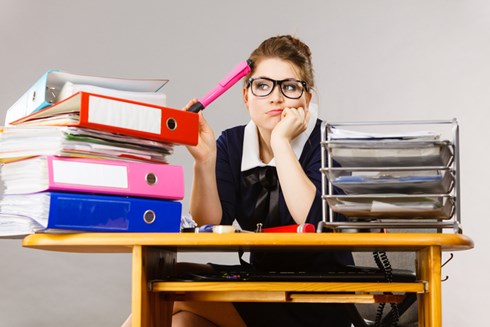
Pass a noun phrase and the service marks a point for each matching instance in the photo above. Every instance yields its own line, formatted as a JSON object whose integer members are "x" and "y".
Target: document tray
{"x": 391, "y": 180}
{"x": 390, "y": 153}
{"x": 392, "y": 206}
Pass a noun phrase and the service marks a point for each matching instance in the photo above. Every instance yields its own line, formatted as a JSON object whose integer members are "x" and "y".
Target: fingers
{"x": 202, "y": 122}
{"x": 189, "y": 104}
{"x": 298, "y": 115}
{"x": 293, "y": 122}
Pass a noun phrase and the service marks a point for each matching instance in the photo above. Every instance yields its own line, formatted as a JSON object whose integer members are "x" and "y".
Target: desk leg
{"x": 148, "y": 310}
{"x": 429, "y": 269}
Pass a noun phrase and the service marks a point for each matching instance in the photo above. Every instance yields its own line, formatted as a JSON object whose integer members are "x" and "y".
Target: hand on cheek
{"x": 293, "y": 122}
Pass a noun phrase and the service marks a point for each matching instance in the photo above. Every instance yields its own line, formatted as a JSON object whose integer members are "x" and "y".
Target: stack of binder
{"x": 402, "y": 178}
{"x": 85, "y": 153}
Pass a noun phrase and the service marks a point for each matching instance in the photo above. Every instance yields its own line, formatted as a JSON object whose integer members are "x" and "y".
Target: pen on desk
{"x": 210, "y": 228}
{"x": 234, "y": 76}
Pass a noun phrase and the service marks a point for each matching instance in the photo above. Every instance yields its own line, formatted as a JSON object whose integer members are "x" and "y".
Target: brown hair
{"x": 288, "y": 48}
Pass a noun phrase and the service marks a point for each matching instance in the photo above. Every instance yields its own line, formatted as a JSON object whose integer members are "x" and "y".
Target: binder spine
{"x": 139, "y": 119}
{"x": 120, "y": 177}
{"x": 34, "y": 99}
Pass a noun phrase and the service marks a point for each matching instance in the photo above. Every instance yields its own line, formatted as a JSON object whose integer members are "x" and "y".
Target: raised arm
{"x": 205, "y": 206}
{"x": 299, "y": 191}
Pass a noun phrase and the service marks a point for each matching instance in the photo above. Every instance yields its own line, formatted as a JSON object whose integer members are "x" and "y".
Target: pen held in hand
{"x": 234, "y": 76}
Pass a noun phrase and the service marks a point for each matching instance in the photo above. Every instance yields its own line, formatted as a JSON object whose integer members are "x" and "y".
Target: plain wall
{"x": 374, "y": 60}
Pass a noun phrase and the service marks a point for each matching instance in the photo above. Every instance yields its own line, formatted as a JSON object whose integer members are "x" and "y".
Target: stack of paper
{"x": 392, "y": 206}
{"x": 409, "y": 181}
{"x": 336, "y": 133}
{"x": 85, "y": 153}
{"x": 26, "y": 141}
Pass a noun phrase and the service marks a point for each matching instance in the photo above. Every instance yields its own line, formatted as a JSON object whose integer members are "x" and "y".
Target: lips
{"x": 274, "y": 112}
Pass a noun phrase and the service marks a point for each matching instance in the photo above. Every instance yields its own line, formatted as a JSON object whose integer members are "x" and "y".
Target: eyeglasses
{"x": 291, "y": 88}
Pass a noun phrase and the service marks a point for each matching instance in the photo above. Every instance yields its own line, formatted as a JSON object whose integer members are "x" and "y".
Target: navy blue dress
{"x": 240, "y": 192}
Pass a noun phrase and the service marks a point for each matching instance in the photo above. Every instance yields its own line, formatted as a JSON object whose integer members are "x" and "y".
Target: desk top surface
{"x": 190, "y": 242}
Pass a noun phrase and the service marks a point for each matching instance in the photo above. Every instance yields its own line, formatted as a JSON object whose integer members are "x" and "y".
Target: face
{"x": 266, "y": 111}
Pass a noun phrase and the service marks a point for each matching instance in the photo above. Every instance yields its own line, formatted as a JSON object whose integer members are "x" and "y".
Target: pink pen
{"x": 234, "y": 76}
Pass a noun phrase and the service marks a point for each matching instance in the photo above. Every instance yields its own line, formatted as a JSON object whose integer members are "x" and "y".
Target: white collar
{"x": 251, "y": 157}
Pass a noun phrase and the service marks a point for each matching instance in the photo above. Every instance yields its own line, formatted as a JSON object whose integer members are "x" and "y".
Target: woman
{"x": 266, "y": 172}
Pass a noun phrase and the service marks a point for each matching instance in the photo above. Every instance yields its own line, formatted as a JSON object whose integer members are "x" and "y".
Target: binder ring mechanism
{"x": 149, "y": 216}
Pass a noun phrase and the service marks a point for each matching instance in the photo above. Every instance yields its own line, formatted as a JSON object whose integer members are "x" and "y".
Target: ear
{"x": 309, "y": 96}
{"x": 245, "y": 96}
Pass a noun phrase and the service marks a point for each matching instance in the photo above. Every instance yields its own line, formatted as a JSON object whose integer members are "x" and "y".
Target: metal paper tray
{"x": 421, "y": 180}
{"x": 424, "y": 206}
{"x": 390, "y": 153}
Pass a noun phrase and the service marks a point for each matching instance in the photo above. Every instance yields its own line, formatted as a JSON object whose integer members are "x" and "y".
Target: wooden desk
{"x": 153, "y": 254}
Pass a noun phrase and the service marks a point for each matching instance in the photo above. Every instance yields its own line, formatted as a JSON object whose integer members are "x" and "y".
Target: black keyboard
{"x": 346, "y": 274}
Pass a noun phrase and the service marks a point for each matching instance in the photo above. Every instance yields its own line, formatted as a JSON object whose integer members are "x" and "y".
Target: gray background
{"x": 374, "y": 60}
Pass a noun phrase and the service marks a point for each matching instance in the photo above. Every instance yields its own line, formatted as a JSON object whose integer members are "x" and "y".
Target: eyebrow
{"x": 280, "y": 80}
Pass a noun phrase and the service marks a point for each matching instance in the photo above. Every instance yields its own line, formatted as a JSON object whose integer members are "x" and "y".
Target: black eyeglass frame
{"x": 278, "y": 82}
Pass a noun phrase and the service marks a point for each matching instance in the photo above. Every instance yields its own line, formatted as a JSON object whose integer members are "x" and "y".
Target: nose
{"x": 276, "y": 95}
